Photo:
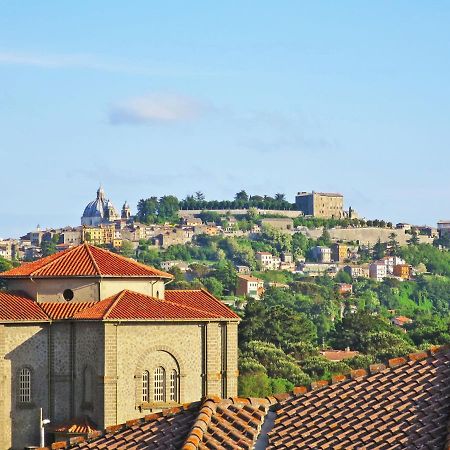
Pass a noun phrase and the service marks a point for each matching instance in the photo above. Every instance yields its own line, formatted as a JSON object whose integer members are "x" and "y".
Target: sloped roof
{"x": 84, "y": 260}
{"x": 60, "y": 310}
{"x": 403, "y": 406}
{"x": 18, "y": 306}
{"x": 125, "y": 305}
{"x": 166, "y": 430}
{"x": 129, "y": 305}
{"x": 200, "y": 299}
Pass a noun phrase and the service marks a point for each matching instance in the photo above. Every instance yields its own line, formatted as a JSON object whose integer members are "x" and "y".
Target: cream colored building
{"x": 93, "y": 337}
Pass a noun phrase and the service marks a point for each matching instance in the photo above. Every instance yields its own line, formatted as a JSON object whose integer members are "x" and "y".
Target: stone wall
{"x": 22, "y": 346}
{"x": 192, "y": 212}
{"x": 365, "y": 236}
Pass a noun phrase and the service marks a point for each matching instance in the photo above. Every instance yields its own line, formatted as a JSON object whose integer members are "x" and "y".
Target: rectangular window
{"x": 25, "y": 386}
{"x": 145, "y": 386}
{"x": 159, "y": 393}
{"x": 173, "y": 386}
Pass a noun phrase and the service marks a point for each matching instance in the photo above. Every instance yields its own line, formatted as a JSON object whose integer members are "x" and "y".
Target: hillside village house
{"x": 95, "y": 339}
{"x": 248, "y": 285}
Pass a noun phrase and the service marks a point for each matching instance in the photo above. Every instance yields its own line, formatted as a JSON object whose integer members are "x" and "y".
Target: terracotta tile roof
{"x": 84, "y": 260}
{"x": 227, "y": 424}
{"x": 165, "y": 430}
{"x": 83, "y": 425}
{"x": 129, "y": 305}
{"x": 406, "y": 405}
{"x": 19, "y": 307}
{"x": 250, "y": 278}
{"x": 59, "y": 310}
{"x": 403, "y": 406}
{"x": 202, "y": 300}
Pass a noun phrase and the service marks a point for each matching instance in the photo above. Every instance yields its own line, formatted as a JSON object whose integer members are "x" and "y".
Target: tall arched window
{"x": 159, "y": 385}
{"x": 173, "y": 386}
{"x": 145, "y": 386}
{"x": 25, "y": 385}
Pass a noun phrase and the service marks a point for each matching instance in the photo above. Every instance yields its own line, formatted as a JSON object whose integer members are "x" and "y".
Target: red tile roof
{"x": 83, "y": 425}
{"x": 129, "y": 305}
{"x": 403, "y": 406}
{"x": 84, "y": 261}
{"x": 406, "y": 405}
{"x": 60, "y": 310}
{"x": 164, "y": 430}
{"x": 19, "y": 307}
{"x": 126, "y": 305}
{"x": 202, "y": 300}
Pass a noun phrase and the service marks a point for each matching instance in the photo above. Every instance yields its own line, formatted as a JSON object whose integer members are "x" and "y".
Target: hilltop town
{"x": 318, "y": 291}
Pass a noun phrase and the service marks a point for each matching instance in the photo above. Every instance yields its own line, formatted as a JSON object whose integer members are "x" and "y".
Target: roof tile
{"x": 84, "y": 261}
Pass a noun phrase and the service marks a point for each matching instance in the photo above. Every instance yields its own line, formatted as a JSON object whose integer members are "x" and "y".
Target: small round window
{"x": 68, "y": 294}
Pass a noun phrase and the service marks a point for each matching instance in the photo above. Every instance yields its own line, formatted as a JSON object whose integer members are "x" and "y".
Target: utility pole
{"x": 42, "y": 423}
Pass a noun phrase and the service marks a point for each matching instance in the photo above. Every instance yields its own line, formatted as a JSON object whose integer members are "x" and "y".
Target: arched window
{"x": 145, "y": 380}
{"x": 173, "y": 386}
{"x": 160, "y": 385}
{"x": 25, "y": 385}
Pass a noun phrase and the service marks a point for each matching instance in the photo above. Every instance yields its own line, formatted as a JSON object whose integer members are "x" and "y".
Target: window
{"x": 145, "y": 378}
{"x": 68, "y": 294}
{"x": 173, "y": 386}
{"x": 160, "y": 385}
{"x": 88, "y": 386}
{"x": 25, "y": 386}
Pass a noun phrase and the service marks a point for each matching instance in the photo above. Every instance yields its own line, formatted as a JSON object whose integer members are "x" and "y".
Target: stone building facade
{"x": 89, "y": 335}
{"x": 320, "y": 204}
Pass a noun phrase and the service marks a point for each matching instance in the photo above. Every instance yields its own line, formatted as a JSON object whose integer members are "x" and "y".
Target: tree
{"x": 393, "y": 244}
{"x": 214, "y": 286}
{"x": 241, "y": 196}
{"x": 379, "y": 250}
{"x": 147, "y": 210}
{"x": 414, "y": 240}
{"x": 168, "y": 208}
{"x": 48, "y": 244}
{"x": 199, "y": 196}
{"x": 127, "y": 249}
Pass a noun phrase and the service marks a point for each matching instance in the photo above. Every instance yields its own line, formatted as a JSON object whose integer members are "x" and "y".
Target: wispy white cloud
{"x": 82, "y": 61}
{"x": 156, "y": 108}
{"x": 96, "y": 62}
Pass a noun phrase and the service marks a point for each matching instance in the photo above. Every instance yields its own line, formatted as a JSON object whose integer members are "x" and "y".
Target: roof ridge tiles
{"x": 91, "y": 256}
{"x": 361, "y": 374}
{"x": 119, "y": 296}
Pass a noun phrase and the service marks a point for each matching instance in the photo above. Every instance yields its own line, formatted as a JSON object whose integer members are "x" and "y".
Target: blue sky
{"x": 154, "y": 98}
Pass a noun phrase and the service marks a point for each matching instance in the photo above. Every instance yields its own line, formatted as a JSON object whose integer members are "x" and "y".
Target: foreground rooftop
{"x": 404, "y": 405}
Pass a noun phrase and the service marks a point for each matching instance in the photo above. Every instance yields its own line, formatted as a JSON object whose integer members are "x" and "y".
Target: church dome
{"x": 99, "y": 210}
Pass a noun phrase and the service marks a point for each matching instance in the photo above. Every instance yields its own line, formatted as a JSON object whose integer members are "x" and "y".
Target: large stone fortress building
{"x": 320, "y": 204}
{"x": 95, "y": 339}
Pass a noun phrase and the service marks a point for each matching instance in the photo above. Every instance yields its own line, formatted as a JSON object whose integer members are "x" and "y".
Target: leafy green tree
{"x": 379, "y": 250}
{"x": 147, "y": 210}
{"x": 168, "y": 207}
{"x": 343, "y": 277}
{"x": 241, "y": 196}
{"x": 393, "y": 244}
{"x": 414, "y": 240}
{"x": 48, "y": 245}
{"x": 225, "y": 272}
{"x": 5, "y": 264}
{"x": 214, "y": 286}
{"x": 127, "y": 249}
{"x": 276, "y": 362}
